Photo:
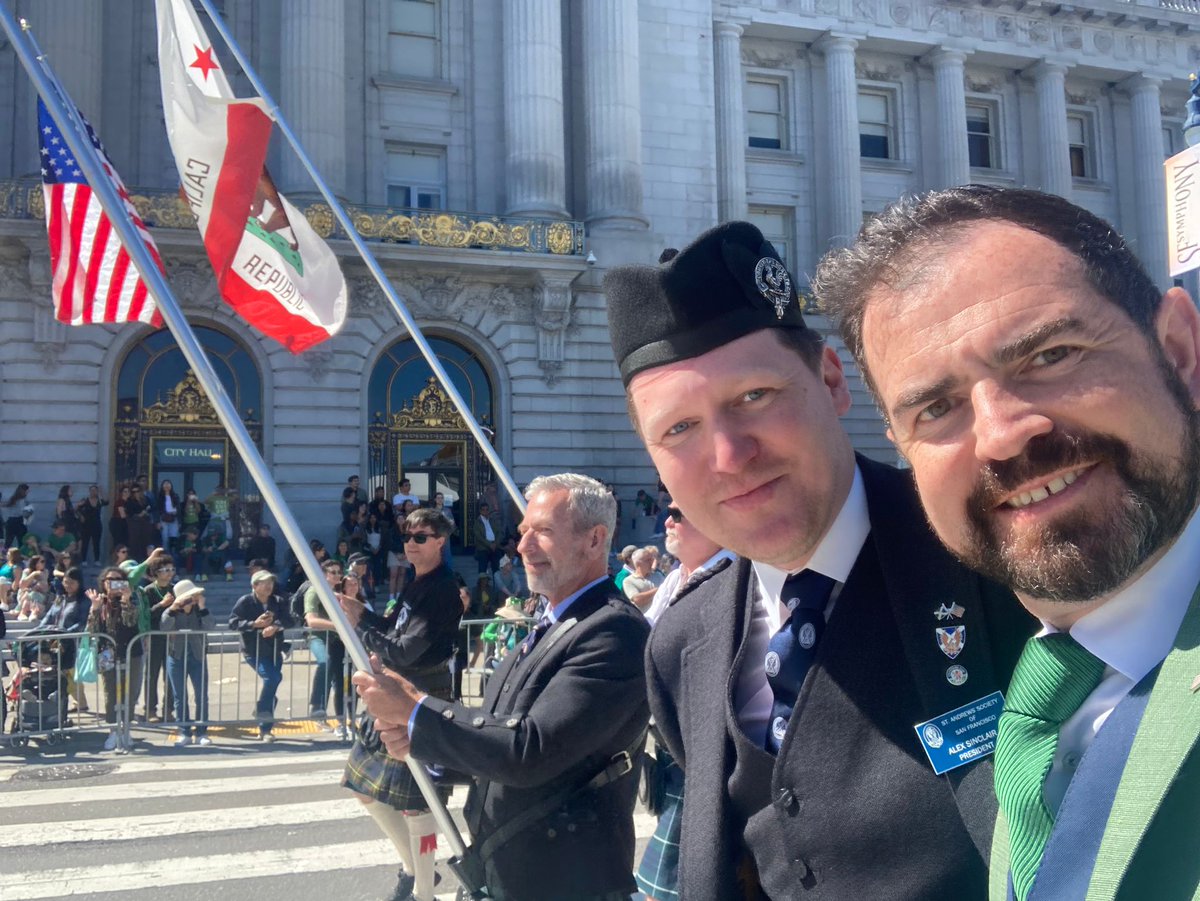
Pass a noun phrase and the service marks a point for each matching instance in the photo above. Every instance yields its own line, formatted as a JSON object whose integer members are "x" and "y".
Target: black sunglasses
{"x": 418, "y": 537}
{"x": 675, "y": 513}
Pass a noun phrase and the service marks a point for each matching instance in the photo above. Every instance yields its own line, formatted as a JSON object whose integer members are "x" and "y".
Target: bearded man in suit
{"x": 788, "y": 684}
{"x": 563, "y": 721}
{"x": 1045, "y": 393}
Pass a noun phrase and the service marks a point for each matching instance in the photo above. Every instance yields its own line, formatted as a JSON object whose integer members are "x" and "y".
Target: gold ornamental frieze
{"x": 186, "y": 404}
{"x": 430, "y": 409}
{"x": 22, "y": 199}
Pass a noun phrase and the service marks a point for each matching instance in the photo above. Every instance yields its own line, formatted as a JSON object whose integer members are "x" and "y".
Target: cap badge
{"x": 773, "y": 283}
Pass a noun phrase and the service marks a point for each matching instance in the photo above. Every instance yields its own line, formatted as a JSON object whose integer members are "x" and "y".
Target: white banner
{"x": 1183, "y": 210}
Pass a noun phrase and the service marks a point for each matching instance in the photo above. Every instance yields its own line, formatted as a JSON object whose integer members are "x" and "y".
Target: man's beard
{"x": 1087, "y": 553}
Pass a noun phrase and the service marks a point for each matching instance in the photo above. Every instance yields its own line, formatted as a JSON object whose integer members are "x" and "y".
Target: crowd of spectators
{"x": 187, "y": 540}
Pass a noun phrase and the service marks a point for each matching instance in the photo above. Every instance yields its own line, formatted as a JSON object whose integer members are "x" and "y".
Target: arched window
{"x": 156, "y": 365}
{"x": 416, "y": 433}
{"x": 402, "y": 372}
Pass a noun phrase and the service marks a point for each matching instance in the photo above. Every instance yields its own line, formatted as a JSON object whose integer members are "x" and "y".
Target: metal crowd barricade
{"x": 233, "y": 687}
{"x": 40, "y": 692}
{"x": 481, "y": 650}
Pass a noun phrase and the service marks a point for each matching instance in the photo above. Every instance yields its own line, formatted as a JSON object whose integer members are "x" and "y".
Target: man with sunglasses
{"x": 416, "y": 639}
{"x": 788, "y": 684}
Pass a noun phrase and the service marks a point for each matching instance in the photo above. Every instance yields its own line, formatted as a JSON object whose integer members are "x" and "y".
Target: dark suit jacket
{"x": 854, "y": 809}
{"x": 550, "y": 719}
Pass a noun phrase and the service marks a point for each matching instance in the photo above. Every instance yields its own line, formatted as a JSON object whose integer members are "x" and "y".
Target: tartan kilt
{"x": 386, "y": 779}
{"x": 658, "y": 873}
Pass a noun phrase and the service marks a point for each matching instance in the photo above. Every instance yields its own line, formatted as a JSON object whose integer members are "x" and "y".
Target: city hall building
{"x": 499, "y": 157}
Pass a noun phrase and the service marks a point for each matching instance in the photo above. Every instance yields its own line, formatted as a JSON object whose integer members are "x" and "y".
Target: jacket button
{"x": 551, "y": 833}
{"x": 785, "y": 801}
{"x": 478, "y": 722}
{"x": 447, "y": 714}
{"x": 512, "y": 722}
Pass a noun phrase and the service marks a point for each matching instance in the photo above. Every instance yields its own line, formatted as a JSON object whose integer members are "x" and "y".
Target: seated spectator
{"x": 189, "y": 552}
{"x": 60, "y": 542}
{"x": 625, "y": 557}
{"x": 186, "y": 660}
{"x": 262, "y": 545}
{"x": 506, "y": 581}
{"x": 638, "y": 586}
{"x": 341, "y": 552}
{"x": 31, "y": 545}
{"x": 214, "y": 546}
{"x": 10, "y": 577}
{"x": 261, "y": 617}
{"x": 33, "y": 591}
{"x": 656, "y": 576}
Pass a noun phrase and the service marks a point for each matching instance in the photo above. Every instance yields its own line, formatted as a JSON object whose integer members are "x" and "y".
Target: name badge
{"x": 963, "y": 735}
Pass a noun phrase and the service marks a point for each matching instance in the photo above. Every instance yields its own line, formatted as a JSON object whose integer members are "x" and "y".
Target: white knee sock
{"x": 422, "y": 837}
{"x": 395, "y": 826}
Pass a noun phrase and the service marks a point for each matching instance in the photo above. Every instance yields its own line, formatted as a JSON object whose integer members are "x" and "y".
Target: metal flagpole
{"x": 369, "y": 258}
{"x": 63, "y": 111}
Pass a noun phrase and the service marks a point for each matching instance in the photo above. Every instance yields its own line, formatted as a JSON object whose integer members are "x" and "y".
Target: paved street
{"x": 239, "y": 821}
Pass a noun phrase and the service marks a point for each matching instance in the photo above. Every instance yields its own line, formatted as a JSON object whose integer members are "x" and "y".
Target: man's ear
{"x": 1177, "y": 327}
{"x": 834, "y": 378}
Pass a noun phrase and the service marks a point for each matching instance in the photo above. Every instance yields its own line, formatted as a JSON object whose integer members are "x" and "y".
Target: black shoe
{"x": 404, "y": 888}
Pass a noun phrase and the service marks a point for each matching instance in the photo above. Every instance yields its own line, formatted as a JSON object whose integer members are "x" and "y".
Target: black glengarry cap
{"x": 725, "y": 285}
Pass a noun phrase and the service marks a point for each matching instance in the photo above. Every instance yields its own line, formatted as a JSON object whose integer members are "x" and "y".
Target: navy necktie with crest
{"x": 535, "y": 636}
{"x": 791, "y": 650}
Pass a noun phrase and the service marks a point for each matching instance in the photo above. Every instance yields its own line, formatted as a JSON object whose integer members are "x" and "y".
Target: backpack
{"x": 296, "y": 603}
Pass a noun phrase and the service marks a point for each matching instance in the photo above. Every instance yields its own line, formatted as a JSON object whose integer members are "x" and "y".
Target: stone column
{"x": 312, "y": 91}
{"x": 533, "y": 108}
{"x": 954, "y": 159}
{"x": 1049, "y": 79}
{"x": 844, "y": 175}
{"x": 70, "y": 34}
{"x": 1148, "y": 181}
{"x": 612, "y": 104}
{"x": 731, "y": 121}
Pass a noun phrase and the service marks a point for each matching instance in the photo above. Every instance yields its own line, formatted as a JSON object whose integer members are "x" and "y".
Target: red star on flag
{"x": 204, "y": 61}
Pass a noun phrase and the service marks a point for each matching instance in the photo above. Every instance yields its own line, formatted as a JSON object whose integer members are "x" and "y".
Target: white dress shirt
{"x": 1132, "y": 633}
{"x": 833, "y": 557}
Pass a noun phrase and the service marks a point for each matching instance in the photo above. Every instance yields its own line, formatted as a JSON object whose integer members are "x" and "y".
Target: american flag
{"x": 94, "y": 278}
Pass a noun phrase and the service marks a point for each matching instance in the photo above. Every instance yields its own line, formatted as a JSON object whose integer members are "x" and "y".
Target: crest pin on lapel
{"x": 951, "y": 639}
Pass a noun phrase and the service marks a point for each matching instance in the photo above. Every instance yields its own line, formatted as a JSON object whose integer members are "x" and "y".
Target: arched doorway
{"x": 416, "y": 432}
{"x": 165, "y": 427}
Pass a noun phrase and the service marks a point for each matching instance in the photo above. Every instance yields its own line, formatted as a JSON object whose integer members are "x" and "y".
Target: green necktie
{"x": 1053, "y": 678}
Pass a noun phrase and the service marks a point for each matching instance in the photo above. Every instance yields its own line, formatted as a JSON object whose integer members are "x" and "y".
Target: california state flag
{"x": 270, "y": 265}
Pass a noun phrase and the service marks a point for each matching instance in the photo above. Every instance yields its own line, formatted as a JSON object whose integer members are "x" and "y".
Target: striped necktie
{"x": 1053, "y": 678}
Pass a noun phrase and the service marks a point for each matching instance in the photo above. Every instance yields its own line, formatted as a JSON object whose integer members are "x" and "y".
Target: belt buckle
{"x": 621, "y": 764}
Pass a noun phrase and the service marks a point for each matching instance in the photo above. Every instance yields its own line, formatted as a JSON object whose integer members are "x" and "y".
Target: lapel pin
{"x": 956, "y": 675}
{"x": 951, "y": 639}
{"x": 954, "y": 611}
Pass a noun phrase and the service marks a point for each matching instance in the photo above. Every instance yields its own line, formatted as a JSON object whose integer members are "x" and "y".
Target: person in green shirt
{"x": 60, "y": 542}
